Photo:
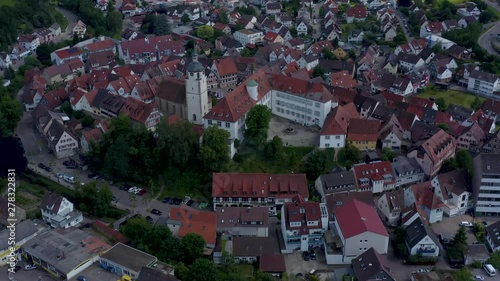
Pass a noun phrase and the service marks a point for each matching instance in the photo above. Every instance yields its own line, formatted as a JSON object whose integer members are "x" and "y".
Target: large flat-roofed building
{"x": 24, "y": 232}
{"x": 64, "y": 252}
{"x": 486, "y": 185}
{"x": 125, "y": 260}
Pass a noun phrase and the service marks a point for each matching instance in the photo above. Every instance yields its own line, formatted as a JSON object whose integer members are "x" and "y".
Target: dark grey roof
{"x": 151, "y": 274}
{"x": 370, "y": 265}
{"x": 415, "y": 232}
{"x": 253, "y": 246}
{"x": 459, "y": 113}
{"x": 128, "y": 257}
{"x": 23, "y": 231}
{"x": 51, "y": 202}
{"x": 403, "y": 165}
{"x": 331, "y": 66}
{"x": 338, "y": 182}
{"x": 484, "y": 76}
{"x": 489, "y": 163}
{"x": 195, "y": 65}
{"x": 493, "y": 231}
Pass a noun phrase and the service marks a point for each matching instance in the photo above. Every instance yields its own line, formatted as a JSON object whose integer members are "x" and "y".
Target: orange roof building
{"x": 185, "y": 220}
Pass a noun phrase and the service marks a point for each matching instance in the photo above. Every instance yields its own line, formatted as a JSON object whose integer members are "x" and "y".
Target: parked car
{"x": 150, "y": 219}
{"x": 178, "y": 201}
{"x": 97, "y": 176}
{"x": 166, "y": 200}
{"x": 67, "y": 162}
{"x": 189, "y": 202}
{"x": 72, "y": 167}
{"x": 29, "y": 267}
{"x": 485, "y": 223}
{"x": 82, "y": 278}
{"x": 141, "y": 192}
{"x": 478, "y": 277}
{"x": 312, "y": 254}
{"x": 59, "y": 175}
{"x": 312, "y": 272}
{"x": 466, "y": 224}
{"x": 156, "y": 212}
{"x": 17, "y": 268}
{"x": 137, "y": 191}
{"x": 125, "y": 187}
{"x": 92, "y": 175}
{"x": 114, "y": 198}
{"x": 133, "y": 189}
{"x": 305, "y": 255}
{"x": 42, "y": 166}
{"x": 172, "y": 201}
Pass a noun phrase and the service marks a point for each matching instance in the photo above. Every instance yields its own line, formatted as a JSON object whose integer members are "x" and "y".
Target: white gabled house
{"x": 58, "y": 211}
{"x": 420, "y": 240}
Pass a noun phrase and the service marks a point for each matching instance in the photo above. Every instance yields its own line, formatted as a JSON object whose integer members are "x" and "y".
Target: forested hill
{"x": 23, "y": 17}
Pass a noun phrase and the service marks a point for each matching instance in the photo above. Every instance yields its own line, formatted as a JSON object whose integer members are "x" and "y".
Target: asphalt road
{"x": 72, "y": 18}
{"x": 402, "y": 22}
{"x": 486, "y": 38}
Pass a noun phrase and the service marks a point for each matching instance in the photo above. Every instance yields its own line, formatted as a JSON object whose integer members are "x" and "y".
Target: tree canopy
{"x": 12, "y": 151}
{"x": 257, "y": 125}
{"x": 95, "y": 200}
{"x": 10, "y": 115}
{"x": 214, "y": 152}
{"x": 101, "y": 24}
{"x": 205, "y": 32}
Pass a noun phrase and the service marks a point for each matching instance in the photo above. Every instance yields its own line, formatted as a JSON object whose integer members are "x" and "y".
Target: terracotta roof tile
{"x": 363, "y": 130}
{"x": 203, "y": 223}
{"x": 356, "y": 217}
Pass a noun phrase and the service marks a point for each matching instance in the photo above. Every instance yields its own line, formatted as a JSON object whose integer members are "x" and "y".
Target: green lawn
{"x": 190, "y": 184}
{"x": 451, "y": 96}
{"x": 248, "y": 160}
{"x": 7, "y": 3}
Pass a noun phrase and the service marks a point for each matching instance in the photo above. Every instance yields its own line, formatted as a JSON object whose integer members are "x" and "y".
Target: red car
{"x": 142, "y": 192}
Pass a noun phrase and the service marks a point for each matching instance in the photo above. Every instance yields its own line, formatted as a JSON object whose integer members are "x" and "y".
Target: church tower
{"x": 196, "y": 91}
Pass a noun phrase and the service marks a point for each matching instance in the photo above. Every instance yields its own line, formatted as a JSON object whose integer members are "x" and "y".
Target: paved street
{"x": 402, "y": 21}
{"x": 488, "y": 36}
{"x": 72, "y": 18}
{"x": 299, "y": 136}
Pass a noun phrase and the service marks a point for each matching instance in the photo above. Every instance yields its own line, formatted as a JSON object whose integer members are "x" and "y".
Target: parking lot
{"x": 449, "y": 226}
{"x": 28, "y": 275}
{"x": 295, "y": 264}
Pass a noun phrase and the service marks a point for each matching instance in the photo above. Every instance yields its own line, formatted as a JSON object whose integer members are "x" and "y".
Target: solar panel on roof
{"x": 72, "y": 50}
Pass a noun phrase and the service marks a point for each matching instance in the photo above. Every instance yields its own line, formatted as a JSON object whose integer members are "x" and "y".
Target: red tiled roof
{"x": 271, "y": 36}
{"x": 337, "y": 121}
{"x": 435, "y": 27}
{"x": 259, "y": 185}
{"x": 421, "y": 102}
{"x": 359, "y": 11}
{"x": 272, "y": 263}
{"x": 71, "y": 52}
{"x": 363, "y": 129}
{"x": 203, "y": 223}
{"x": 76, "y": 95}
{"x": 138, "y": 110}
{"x": 436, "y": 147}
{"x": 92, "y": 135}
{"x": 343, "y": 79}
{"x": 226, "y": 66}
{"x": 373, "y": 171}
{"x": 304, "y": 212}
{"x": 357, "y": 217}
{"x": 220, "y": 26}
{"x": 423, "y": 195}
{"x": 106, "y": 44}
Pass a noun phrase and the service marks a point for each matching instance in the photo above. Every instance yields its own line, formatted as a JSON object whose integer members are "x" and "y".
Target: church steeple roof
{"x": 195, "y": 65}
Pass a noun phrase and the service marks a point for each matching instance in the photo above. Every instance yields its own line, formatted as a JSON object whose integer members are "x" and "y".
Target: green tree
{"x": 318, "y": 72}
{"x": 185, "y": 18}
{"x": 443, "y": 126}
{"x": 465, "y": 161}
{"x": 494, "y": 259}
{"x": 113, "y": 19}
{"x": 177, "y": 144}
{"x": 12, "y": 151}
{"x": 476, "y": 103}
{"x": 222, "y": 17}
{"x": 202, "y": 270}
{"x": 442, "y": 104}
{"x": 462, "y": 274}
{"x": 43, "y": 54}
{"x": 388, "y": 154}
{"x": 181, "y": 271}
{"x": 205, "y": 32}
{"x": 214, "y": 152}
{"x": 460, "y": 240}
{"x": 161, "y": 26}
{"x": 316, "y": 164}
{"x": 96, "y": 200}
{"x": 192, "y": 247}
{"x": 10, "y": 115}
{"x": 274, "y": 149}
{"x": 261, "y": 276}
{"x": 257, "y": 125}
{"x": 486, "y": 16}
{"x": 135, "y": 228}
{"x": 327, "y": 54}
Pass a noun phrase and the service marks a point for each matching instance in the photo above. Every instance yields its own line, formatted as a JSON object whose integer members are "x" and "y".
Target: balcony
{"x": 426, "y": 251}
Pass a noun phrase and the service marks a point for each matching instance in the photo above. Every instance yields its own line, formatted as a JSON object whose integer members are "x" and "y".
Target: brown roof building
{"x": 243, "y": 221}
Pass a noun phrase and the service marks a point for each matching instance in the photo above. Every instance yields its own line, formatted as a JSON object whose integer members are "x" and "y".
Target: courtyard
{"x": 293, "y": 134}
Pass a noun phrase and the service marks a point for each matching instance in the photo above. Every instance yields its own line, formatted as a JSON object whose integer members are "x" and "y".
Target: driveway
{"x": 296, "y": 264}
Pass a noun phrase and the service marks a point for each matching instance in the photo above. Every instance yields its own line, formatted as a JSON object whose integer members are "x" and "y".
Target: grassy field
{"x": 451, "y": 96}
{"x": 7, "y": 3}
{"x": 190, "y": 184}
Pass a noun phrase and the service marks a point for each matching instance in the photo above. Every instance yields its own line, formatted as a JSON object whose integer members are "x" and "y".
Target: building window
{"x": 219, "y": 123}
{"x": 209, "y": 122}
{"x": 228, "y": 125}
{"x": 327, "y": 137}
{"x": 337, "y": 137}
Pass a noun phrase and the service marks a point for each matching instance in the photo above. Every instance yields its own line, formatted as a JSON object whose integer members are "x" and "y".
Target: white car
{"x": 478, "y": 277}
{"x": 137, "y": 190}
{"x": 30, "y": 267}
{"x": 466, "y": 224}
{"x": 133, "y": 189}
